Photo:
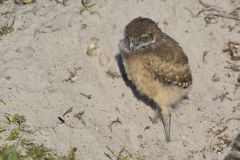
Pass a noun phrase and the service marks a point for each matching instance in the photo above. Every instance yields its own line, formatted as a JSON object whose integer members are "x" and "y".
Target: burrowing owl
{"x": 156, "y": 65}
{"x": 234, "y": 154}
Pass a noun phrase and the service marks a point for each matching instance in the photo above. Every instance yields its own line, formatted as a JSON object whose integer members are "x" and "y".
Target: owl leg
{"x": 166, "y": 119}
{"x": 165, "y": 109}
{"x": 156, "y": 115}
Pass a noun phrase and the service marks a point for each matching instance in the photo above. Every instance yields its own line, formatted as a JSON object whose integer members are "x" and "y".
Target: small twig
{"x": 7, "y": 12}
{"x": 211, "y": 16}
{"x": 128, "y": 153}
{"x": 87, "y": 6}
{"x": 207, "y": 10}
{"x": 233, "y": 99}
{"x": 215, "y": 78}
{"x": 108, "y": 156}
{"x": 225, "y": 15}
{"x": 204, "y": 4}
{"x": 67, "y": 111}
{"x": 236, "y": 88}
{"x": 204, "y": 55}
{"x": 86, "y": 3}
{"x": 87, "y": 96}
{"x": 221, "y": 97}
{"x": 111, "y": 151}
{"x": 60, "y": 119}
{"x": 220, "y": 131}
{"x": 113, "y": 122}
{"x": 13, "y": 22}
{"x": 120, "y": 153}
{"x": 233, "y": 118}
{"x": 119, "y": 156}
{"x": 201, "y": 11}
{"x": 146, "y": 128}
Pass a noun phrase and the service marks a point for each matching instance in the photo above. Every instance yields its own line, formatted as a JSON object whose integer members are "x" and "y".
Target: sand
{"x": 50, "y": 41}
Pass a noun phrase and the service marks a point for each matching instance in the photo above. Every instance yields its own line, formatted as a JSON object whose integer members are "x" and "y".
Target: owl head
{"x": 140, "y": 34}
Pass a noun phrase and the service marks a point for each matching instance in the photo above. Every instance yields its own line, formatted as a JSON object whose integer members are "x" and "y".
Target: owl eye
{"x": 150, "y": 36}
{"x": 144, "y": 38}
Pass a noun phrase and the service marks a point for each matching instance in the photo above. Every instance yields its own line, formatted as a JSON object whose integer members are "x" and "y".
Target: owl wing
{"x": 169, "y": 65}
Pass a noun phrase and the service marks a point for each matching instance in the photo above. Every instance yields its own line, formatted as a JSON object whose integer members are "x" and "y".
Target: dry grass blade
{"x": 205, "y": 4}
{"x": 119, "y": 156}
{"x": 233, "y": 118}
{"x": 223, "y": 15}
{"x": 16, "y": 118}
{"x": 201, "y": 11}
{"x": 14, "y": 134}
{"x": 235, "y": 14}
{"x": 221, "y": 97}
{"x": 87, "y": 6}
{"x": 5, "y": 29}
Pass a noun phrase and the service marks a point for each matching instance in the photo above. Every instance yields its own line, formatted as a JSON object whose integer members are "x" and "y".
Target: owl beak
{"x": 131, "y": 46}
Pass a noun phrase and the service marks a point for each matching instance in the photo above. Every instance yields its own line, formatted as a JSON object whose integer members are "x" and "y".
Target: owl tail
{"x": 166, "y": 119}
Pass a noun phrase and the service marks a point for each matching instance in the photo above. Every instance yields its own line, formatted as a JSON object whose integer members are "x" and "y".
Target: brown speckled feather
{"x": 174, "y": 68}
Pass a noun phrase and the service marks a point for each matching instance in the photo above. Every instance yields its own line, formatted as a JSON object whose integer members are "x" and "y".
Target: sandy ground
{"x": 50, "y": 41}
